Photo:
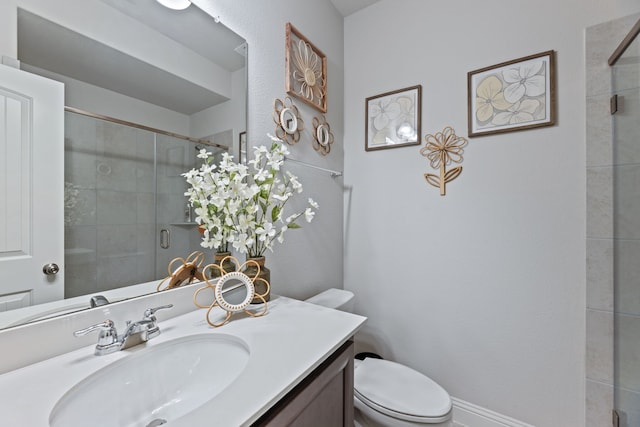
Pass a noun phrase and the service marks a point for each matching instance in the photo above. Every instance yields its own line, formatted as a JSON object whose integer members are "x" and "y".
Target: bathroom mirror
{"x": 289, "y": 121}
{"x": 322, "y": 136}
{"x": 50, "y": 45}
{"x": 289, "y": 124}
{"x": 234, "y": 291}
{"x": 322, "y": 133}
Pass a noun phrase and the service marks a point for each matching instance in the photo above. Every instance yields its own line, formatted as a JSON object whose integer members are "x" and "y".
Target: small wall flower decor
{"x": 322, "y": 136}
{"x": 442, "y": 149}
{"x": 306, "y": 70}
{"x": 289, "y": 124}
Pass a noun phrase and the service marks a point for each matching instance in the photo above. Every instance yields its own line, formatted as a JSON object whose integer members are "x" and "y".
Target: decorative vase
{"x": 228, "y": 265}
{"x": 265, "y": 274}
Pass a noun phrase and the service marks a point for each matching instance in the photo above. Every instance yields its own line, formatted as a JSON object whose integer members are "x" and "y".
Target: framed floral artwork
{"x": 306, "y": 70}
{"x": 513, "y": 95}
{"x": 393, "y": 119}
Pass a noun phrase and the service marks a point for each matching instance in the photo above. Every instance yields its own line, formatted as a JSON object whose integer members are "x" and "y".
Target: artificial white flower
{"x": 265, "y": 231}
{"x": 241, "y": 204}
{"x": 203, "y": 153}
{"x": 309, "y": 214}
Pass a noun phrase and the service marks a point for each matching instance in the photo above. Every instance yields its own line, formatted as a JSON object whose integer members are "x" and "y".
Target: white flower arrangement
{"x": 242, "y": 205}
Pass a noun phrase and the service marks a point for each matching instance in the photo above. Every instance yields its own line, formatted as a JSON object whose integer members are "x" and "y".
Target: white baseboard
{"x": 467, "y": 414}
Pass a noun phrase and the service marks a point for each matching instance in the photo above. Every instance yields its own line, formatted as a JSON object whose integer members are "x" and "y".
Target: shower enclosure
{"x": 126, "y": 215}
{"x": 625, "y": 107}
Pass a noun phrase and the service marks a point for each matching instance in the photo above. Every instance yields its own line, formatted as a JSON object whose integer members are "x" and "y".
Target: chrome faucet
{"x": 97, "y": 301}
{"x": 134, "y": 334}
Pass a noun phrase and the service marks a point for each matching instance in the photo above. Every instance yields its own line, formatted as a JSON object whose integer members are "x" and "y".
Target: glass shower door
{"x": 176, "y": 231}
{"x": 626, "y": 91}
{"x": 109, "y": 205}
{"x": 126, "y": 215}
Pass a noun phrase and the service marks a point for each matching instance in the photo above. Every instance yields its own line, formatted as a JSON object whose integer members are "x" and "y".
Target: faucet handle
{"x": 152, "y": 329}
{"x": 149, "y": 312}
{"x": 107, "y": 338}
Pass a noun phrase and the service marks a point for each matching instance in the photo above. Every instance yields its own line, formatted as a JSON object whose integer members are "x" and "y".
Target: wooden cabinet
{"x": 324, "y": 398}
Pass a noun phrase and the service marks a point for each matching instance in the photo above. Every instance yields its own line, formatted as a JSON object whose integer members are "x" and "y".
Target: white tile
{"x": 599, "y": 131}
{"x": 116, "y": 207}
{"x": 626, "y": 198}
{"x": 600, "y": 274}
{"x": 599, "y": 404}
{"x": 599, "y": 363}
{"x": 627, "y": 267}
{"x": 628, "y": 352}
{"x": 114, "y": 240}
{"x": 600, "y": 202}
{"x": 625, "y": 127}
{"x": 628, "y": 407}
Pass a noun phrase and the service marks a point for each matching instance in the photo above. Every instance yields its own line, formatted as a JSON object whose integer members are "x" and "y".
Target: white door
{"x": 31, "y": 188}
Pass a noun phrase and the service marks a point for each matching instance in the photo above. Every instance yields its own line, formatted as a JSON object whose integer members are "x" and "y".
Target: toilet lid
{"x": 399, "y": 391}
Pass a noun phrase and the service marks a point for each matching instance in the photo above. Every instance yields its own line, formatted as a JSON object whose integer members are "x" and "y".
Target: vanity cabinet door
{"x": 324, "y": 398}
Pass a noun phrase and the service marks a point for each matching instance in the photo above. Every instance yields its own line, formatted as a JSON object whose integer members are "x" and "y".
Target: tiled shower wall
{"x": 122, "y": 186}
{"x": 601, "y": 41}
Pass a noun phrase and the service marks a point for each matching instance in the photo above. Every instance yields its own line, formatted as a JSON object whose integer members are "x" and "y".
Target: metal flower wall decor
{"x": 306, "y": 70}
{"x": 442, "y": 149}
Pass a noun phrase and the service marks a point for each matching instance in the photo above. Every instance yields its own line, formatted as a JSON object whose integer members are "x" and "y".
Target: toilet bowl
{"x": 389, "y": 394}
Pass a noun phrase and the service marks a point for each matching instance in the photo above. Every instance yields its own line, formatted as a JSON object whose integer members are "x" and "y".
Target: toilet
{"x": 386, "y": 393}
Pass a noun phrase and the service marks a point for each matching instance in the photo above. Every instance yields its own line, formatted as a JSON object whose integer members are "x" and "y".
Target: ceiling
{"x": 49, "y": 46}
{"x": 347, "y": 7}
{"x": 46, "y": 45}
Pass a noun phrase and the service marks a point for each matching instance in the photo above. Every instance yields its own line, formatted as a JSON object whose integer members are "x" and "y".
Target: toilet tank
{"x": 338, "y": 299}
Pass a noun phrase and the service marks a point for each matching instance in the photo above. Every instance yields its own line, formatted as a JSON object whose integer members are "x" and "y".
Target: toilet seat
{"x": 400, "y": 392}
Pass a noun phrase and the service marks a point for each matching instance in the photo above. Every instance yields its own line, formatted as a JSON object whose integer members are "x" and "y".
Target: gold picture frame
{"x": 513, "y": 95}
{"x": 306, "y": 70}
{"x": 393, "y": 119}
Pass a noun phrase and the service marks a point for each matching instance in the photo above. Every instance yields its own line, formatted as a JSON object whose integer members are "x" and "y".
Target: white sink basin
{"x": 155, "y": 385}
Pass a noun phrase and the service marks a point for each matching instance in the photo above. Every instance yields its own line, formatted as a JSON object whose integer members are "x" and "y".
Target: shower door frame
{"x": 618, "y": 415}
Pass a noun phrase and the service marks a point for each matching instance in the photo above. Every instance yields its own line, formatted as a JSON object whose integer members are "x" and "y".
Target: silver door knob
{"x": 50, "y": 269}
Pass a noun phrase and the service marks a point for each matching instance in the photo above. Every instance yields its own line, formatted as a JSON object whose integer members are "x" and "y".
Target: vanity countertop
{"x": 285, "y": 346}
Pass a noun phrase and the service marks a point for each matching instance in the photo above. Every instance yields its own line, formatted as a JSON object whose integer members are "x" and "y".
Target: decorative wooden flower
{"x": 441, "y": 149}
{"x": 322, "y": 136}
{"x": 288, "y": 121}
{"x": 187, "y": 271}
{"x": 306, "y": 74}
{"x": 243, "y": 285}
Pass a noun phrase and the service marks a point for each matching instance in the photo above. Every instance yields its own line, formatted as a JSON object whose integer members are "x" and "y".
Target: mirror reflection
{"x": 289, "y": 121}
{"x": 143, "y": 97}
{"x": 235, "y": 292}
{"x": 323, "y": 135}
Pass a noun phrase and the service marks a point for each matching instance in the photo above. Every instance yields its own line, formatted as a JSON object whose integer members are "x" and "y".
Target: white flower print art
{"x": 393, "y": 119}
{"x": 513, "y": 95}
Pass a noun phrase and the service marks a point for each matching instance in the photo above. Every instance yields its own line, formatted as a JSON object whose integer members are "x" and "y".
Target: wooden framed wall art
{"x": 514, "y": 95}
{"x": 393, "y": 119}
{"x": 306, "y": 70}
